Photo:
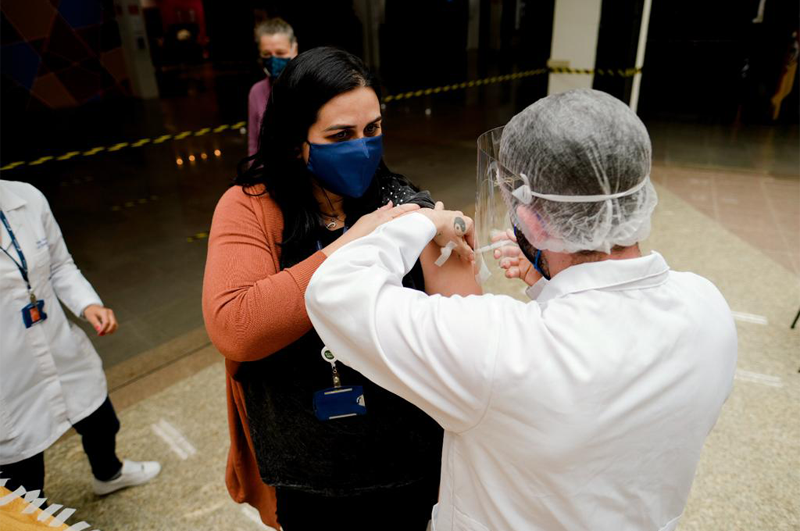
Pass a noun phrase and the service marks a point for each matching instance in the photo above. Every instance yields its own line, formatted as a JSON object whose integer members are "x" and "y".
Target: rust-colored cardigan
{"x": 251, "y": 309}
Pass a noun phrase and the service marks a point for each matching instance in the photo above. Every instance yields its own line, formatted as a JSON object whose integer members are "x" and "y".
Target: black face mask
{"x": 533, "y": 254}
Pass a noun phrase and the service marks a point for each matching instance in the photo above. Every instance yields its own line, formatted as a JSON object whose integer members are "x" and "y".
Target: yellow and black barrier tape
{"x": 121, "y": 145}
{"x": 131, "y": 204}
{"x": 620, "y": 72}
{"x": 197, "y": 237}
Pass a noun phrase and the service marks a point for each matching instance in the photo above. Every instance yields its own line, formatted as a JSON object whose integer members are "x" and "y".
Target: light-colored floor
{"x": 172, "y": 407}
{"x": 761, "y": 209}
{"x": 729, "y": 210}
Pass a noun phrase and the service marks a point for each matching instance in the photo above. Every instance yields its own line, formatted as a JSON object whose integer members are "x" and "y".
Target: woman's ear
{"x": 303, "y": 152}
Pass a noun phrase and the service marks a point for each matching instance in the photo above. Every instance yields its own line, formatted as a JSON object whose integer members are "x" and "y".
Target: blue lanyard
{"x": 23, "y": 267}
{"x": 319, "y": 243}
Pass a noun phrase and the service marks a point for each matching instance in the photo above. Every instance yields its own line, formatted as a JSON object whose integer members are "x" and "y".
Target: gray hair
{"x": 275, "y": 26}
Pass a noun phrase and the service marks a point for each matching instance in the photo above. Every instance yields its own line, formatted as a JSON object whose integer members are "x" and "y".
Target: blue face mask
{"x": 275, "y": 65}
{"x": 346, "y": 168}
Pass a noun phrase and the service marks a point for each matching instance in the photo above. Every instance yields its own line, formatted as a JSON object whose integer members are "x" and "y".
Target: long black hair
{"x": 307, "y": 83}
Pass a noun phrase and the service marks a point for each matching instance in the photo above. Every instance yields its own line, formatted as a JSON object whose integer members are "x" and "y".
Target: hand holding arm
{"x": 453, "y": 226}
{"x": 251, "y": 308}
{"x": 436, "y": 352}
{"x": 368, "y": 223}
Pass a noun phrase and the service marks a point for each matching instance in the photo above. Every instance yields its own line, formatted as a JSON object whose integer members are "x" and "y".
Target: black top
{"x": 394, "y": 444}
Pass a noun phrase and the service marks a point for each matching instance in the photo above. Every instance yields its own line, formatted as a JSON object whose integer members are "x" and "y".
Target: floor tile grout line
{"x": 158, "y": 368}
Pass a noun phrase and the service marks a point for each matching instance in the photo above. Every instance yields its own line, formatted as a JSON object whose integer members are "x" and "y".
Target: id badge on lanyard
{"x": 338, "y": 402}
{"x": 33, "y": 313}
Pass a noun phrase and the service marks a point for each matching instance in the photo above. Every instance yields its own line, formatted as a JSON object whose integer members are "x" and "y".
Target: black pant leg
{"x": 28, "y": 473}
{"x": 400, "y": 509}
{"x": 99, "y": 436}
{"x": 397, "y": 509}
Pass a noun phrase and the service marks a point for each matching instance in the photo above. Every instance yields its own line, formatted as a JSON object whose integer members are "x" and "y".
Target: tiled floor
{"x": 748, "y": 475}
{"x": 135, "y": 223}
{"x": 762, "y": 210}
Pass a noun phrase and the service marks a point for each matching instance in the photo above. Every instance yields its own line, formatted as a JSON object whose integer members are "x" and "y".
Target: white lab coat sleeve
{"x": 436, "y": 352}
{"x": 69, "y": 284}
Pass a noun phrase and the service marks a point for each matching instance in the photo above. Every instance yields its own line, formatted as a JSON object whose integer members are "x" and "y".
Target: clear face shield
{"x": 492, "y": 219}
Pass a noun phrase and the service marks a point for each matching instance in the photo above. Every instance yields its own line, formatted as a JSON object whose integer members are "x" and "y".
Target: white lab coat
{"x": 584, "y": 409}
{"x": 50, "y": 374}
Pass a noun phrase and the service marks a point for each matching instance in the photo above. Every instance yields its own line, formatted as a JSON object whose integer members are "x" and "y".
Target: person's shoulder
{"x": 20, "y": 188}
{"x": 700, "y": 289}
{"x": 238, "y": 194}
{"x": 398, "y": 189}
{"x": 253, "y": 198}
{"x": 259, "y": 88}
{"x": 24, "y": 191}
{"x": 693, "y": 280}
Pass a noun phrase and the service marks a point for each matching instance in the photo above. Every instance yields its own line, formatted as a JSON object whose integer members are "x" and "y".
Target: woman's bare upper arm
{"x": 455, "y": 277}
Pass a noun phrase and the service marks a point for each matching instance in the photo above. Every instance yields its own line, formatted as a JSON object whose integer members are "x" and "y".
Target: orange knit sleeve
{"x": 251, "y": 309}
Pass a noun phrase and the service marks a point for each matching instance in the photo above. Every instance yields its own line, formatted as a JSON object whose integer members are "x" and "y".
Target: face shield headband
{"x": 525, "y": 195}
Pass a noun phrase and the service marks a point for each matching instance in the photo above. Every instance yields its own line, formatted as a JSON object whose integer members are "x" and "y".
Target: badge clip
{"x": 338, "y": 402}
{"x": 328, "y": 356}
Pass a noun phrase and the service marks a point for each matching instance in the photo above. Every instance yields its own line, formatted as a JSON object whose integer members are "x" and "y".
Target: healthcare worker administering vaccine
{"x": 585, "y": 408}
{"x": 51, "y": 378}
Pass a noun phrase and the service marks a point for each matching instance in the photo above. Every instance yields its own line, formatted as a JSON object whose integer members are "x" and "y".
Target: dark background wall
{"x": 706, "y": 61}
{"x": 59, "y": 54}
{"x": 423, "y": 43}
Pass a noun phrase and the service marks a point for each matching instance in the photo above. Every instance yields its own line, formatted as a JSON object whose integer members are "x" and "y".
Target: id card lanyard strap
{"x": 319, "y": 243}
{"x": 327, "y": 355}
{"x": 22, "y": 265}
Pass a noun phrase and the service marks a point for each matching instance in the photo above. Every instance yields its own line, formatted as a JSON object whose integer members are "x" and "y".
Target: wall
{"x": 60, "y": 54}
{"x": 575, "y": 32}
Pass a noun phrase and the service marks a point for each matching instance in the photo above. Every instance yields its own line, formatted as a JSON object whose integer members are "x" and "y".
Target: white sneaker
{"x": 133, "y": 473}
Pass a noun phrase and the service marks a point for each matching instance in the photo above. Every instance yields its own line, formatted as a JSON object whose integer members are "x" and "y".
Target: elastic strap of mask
{"x": 537, "y": 258}
{"x": 525, "y": 194}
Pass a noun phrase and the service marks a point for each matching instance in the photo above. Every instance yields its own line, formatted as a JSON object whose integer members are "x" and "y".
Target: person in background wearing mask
{"x": 277, "y": 46}
{"x": 338, "y": 452}
{"x": 51, "y": 378}
{"x": 585, "y": 408}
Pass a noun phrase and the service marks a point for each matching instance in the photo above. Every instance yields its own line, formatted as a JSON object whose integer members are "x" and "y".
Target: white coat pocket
{"x": 7, "y": 429}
